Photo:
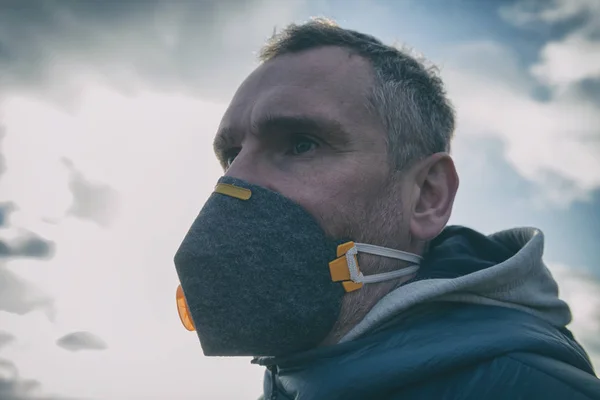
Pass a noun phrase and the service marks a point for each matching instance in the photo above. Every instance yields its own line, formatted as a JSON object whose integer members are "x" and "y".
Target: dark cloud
{"x": 27, "y": 244}
{"x": 8, "y": 207}
{"x": 589, "y": 90}
{"x": 5, "y": 210}
{"x": 18, "y": 296}
{"x": 14, "y": 387}
{"x": 6, "y": 338}
{"x": 77, "y": 341}
{"x": 2, "y": 160}
{"x": 526, "y": 15}
{"x": 93, "y": 201}
{"x": 184, "y": 45}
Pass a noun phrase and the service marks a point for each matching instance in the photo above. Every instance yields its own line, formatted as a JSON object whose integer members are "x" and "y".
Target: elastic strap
{"x": 357, "y": 276}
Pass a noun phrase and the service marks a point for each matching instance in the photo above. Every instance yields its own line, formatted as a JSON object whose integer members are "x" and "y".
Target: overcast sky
{"x": 107, "y": 113}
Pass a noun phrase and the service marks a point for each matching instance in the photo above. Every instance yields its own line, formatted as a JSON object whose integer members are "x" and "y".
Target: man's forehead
{"x": 326, "y": 80}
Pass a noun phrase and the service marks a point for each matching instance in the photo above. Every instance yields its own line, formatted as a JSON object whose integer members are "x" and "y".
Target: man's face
{"x": 299, "y": 125}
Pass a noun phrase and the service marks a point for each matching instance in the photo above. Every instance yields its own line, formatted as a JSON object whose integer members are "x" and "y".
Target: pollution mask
{"x": 259, "y": 276}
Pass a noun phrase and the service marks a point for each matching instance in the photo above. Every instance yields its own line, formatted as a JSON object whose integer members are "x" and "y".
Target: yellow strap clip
{"x": 233, "y": 191}
{"x": 339, "y": 268}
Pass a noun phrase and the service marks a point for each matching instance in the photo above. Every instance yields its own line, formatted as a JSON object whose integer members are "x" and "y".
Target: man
{"x": 324, "y": 250}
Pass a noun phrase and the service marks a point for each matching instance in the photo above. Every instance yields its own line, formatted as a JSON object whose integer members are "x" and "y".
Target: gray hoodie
{"x": 522, "y": 282}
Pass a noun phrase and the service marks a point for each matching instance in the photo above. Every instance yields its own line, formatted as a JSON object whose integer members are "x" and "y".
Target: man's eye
{"x": 303, "y": 145}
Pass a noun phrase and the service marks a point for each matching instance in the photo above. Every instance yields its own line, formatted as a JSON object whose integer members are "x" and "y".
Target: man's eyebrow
{"x": 329, "y": 130}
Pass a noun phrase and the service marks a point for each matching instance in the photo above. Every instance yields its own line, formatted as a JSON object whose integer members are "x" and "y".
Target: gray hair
{"x": 408, "y": 95}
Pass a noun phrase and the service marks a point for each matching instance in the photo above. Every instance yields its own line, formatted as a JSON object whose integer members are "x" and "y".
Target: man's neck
{"x": 356, "y": 305}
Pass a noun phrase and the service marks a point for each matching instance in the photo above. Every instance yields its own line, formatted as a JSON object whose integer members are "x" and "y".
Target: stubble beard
{"x": 379, "y": 222}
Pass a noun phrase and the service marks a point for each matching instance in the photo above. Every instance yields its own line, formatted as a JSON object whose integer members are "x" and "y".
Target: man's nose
{"x": 251, "y": 168}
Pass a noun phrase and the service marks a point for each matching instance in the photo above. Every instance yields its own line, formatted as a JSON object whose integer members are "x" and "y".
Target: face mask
{"x": 259, "y": 277}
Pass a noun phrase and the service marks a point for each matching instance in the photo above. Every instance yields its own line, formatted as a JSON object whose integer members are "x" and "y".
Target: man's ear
{"x": 435, "y": 183}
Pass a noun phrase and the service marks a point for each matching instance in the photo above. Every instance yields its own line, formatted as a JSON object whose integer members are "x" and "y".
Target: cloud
{"x": 572, "y": 58}
{"x": 14, "y": 387}
{"x": 523, "y": 13}
{"x": 568, "y": 61}
{"x": 580, "y": 290}
{"x": 552, "y": 143}
{"x": 77, "y": 341}
{"x": 188, "y": 46}
{"x": 93, "y": 201}
{"x": 6, "y": 338}
{"x": 2, "y": 160}
{"x": 5, "y": 210}
{"x": 18, "y": 296}
{"x": 22, "y": 243}
{"x": 26, "y": 244}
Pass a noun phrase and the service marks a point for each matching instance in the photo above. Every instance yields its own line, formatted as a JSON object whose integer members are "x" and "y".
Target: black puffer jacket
{"x": 442, "y": 351}
{"x": 455, "y": 344}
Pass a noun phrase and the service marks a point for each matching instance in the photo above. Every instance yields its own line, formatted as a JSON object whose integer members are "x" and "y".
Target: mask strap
{"x": 358, "y": 277}
{"x": 387, "y": 252}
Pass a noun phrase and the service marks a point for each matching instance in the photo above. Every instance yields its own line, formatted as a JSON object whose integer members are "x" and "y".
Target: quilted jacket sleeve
{"x": 513, "y": 376}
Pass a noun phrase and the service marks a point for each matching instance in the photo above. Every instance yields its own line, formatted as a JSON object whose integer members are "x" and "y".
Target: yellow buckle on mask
{"x": 233, "y": 191}
{"x": 339, "y": 268}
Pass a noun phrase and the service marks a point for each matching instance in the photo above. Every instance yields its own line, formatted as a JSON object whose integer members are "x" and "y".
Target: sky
{"x": 107, "y": 114}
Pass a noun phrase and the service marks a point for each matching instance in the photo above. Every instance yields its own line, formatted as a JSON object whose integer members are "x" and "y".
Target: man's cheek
{"x": 340, "y": 220}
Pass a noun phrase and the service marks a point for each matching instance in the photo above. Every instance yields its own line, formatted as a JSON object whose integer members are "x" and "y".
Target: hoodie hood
{"x": 504, "y": 269}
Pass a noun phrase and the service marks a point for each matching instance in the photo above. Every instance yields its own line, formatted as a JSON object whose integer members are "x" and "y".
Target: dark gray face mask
{"x": 259, "y": 277}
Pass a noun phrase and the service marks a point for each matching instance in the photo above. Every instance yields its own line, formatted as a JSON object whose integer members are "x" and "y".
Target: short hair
{"x": 407, "y": 95}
